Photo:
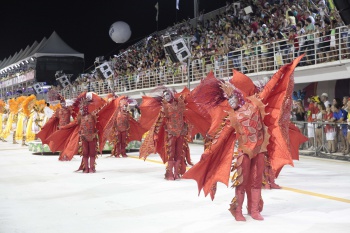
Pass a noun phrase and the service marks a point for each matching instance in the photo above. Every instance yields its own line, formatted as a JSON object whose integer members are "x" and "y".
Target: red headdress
{"x": 123, "y": 102}
{"x": 88, "y": 102}
{"x": 81, "y": 104}
{"x": 159, "y": 92}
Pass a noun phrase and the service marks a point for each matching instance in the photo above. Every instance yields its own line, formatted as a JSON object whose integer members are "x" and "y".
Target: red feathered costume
{"x": 59, "y": 119}
{"x": 93, "y": 115}
{"x": 171, "y": 120}
{"x": 260, "y": 122}
{"x": 122, "y": 128}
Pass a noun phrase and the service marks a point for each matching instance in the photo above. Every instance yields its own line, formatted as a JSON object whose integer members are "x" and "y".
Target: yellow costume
{"x": 35, "y": 122}
{"x": 2, "y": 115}
{"x": 21, "y": 120}
{"x": 12, "y": 120}
{"x": 28, "y": 113}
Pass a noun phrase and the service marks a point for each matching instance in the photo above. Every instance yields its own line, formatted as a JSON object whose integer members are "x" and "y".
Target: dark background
{"x": 84, "y": 25}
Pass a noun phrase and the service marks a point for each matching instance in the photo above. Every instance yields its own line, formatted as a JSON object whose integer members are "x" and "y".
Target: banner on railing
{"x": 19, "y": 79}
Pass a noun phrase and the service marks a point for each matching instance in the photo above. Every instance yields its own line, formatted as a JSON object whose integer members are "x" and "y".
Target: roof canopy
{"x": 54, "y": 46}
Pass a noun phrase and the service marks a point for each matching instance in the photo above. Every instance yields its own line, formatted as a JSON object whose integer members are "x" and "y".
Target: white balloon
{"x": 119, "y": 32}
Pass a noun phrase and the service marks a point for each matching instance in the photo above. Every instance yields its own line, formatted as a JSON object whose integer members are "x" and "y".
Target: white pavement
{"x": 39, "y": 194}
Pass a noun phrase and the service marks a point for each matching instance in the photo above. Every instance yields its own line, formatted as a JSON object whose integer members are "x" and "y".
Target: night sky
{"x": 84, "y": 25}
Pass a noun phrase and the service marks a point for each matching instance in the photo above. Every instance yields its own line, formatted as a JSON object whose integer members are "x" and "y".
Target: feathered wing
{"x": 215, "y": 164}
{"x": 216, "y": 161}
{"x": 72, "y": 146}
{"x": 149, "y": 145}
{"x": 65, "y": 140}
{"x": 296, "y": 138}
{"x": 49, "y": 128}
{"x": 105, "y": 121}
{"x": 135, "y": 131}
{"x": 94, "y": 105}
{"x": 209, "y": 100}
{"x": 197, "y": 116}
{"x": 277, "y": 94}
{"x": 150, "y": 120}
{"x": 150, "y": 108}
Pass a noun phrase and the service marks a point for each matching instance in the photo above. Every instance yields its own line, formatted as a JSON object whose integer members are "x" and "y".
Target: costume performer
{"x": 171, "y": 126}
{"x": 122, "y": 128}
{"x": 10, "y": 119}
{"x": 34, "y": 108}
{"x": 88, "y": 136}
{"x": 28, "y": 112}
{"x": 83, "y": 135}
{"x": 61, "y": 117}
{"x": 259, "y": 121}
{"x": 15, "y": 124}
{"x": 22, "y": 120}
{"x": 3, "y": 118}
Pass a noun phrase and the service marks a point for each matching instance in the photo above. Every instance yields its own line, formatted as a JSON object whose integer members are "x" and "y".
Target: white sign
{"x": 248, "y": 10}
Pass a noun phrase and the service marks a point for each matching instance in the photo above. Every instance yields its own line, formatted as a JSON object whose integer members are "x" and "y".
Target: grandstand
{"x": 255, "y": 43}
{"x": 227, "y": 39}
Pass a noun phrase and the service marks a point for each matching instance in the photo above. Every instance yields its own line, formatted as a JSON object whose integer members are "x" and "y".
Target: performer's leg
{"x": 85, "y": 147}
{"x": 2, "y": 138}
{"x": 243, "y": 167}
{"x": 24, "y": 140}
{"x": 123, "y": 144}
{"x": 179, "y": 156}
{"x": 169, "y": 175}
{"x": 14, "y": 138}
{"x": 92, "y": 155}
{"x": 273, "y": 185}
{"x": 116, "y": 150}
{"x": 257, "y": 169}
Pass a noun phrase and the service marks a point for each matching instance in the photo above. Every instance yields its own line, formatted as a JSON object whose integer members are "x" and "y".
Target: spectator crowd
{"x": 326, "y": 123}
{"x": 250, "y": 36}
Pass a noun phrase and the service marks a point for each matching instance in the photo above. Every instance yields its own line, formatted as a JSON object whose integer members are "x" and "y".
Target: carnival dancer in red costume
{"x": 122, "y": 128}
{"x": 259, "y": 121}
{"x": 61, "y": 117}
{"x": 81, "y": 134}
{"x": 171, "y": 125}
{"x": 88, "y": 135}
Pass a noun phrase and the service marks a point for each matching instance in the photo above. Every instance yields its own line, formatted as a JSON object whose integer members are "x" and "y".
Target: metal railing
{"x": 320, "y": 140}
{"x": 262, "y": 59}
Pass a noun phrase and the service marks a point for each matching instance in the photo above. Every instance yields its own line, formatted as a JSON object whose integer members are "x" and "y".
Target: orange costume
{"x": 88, "y": 137}
{"x": 85, "y": 133}
{"x": 61, "y": 117}
{"x": 259, "y": 121}
{"x": 171, "y": 122}
{"x": 122, "y": 128}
